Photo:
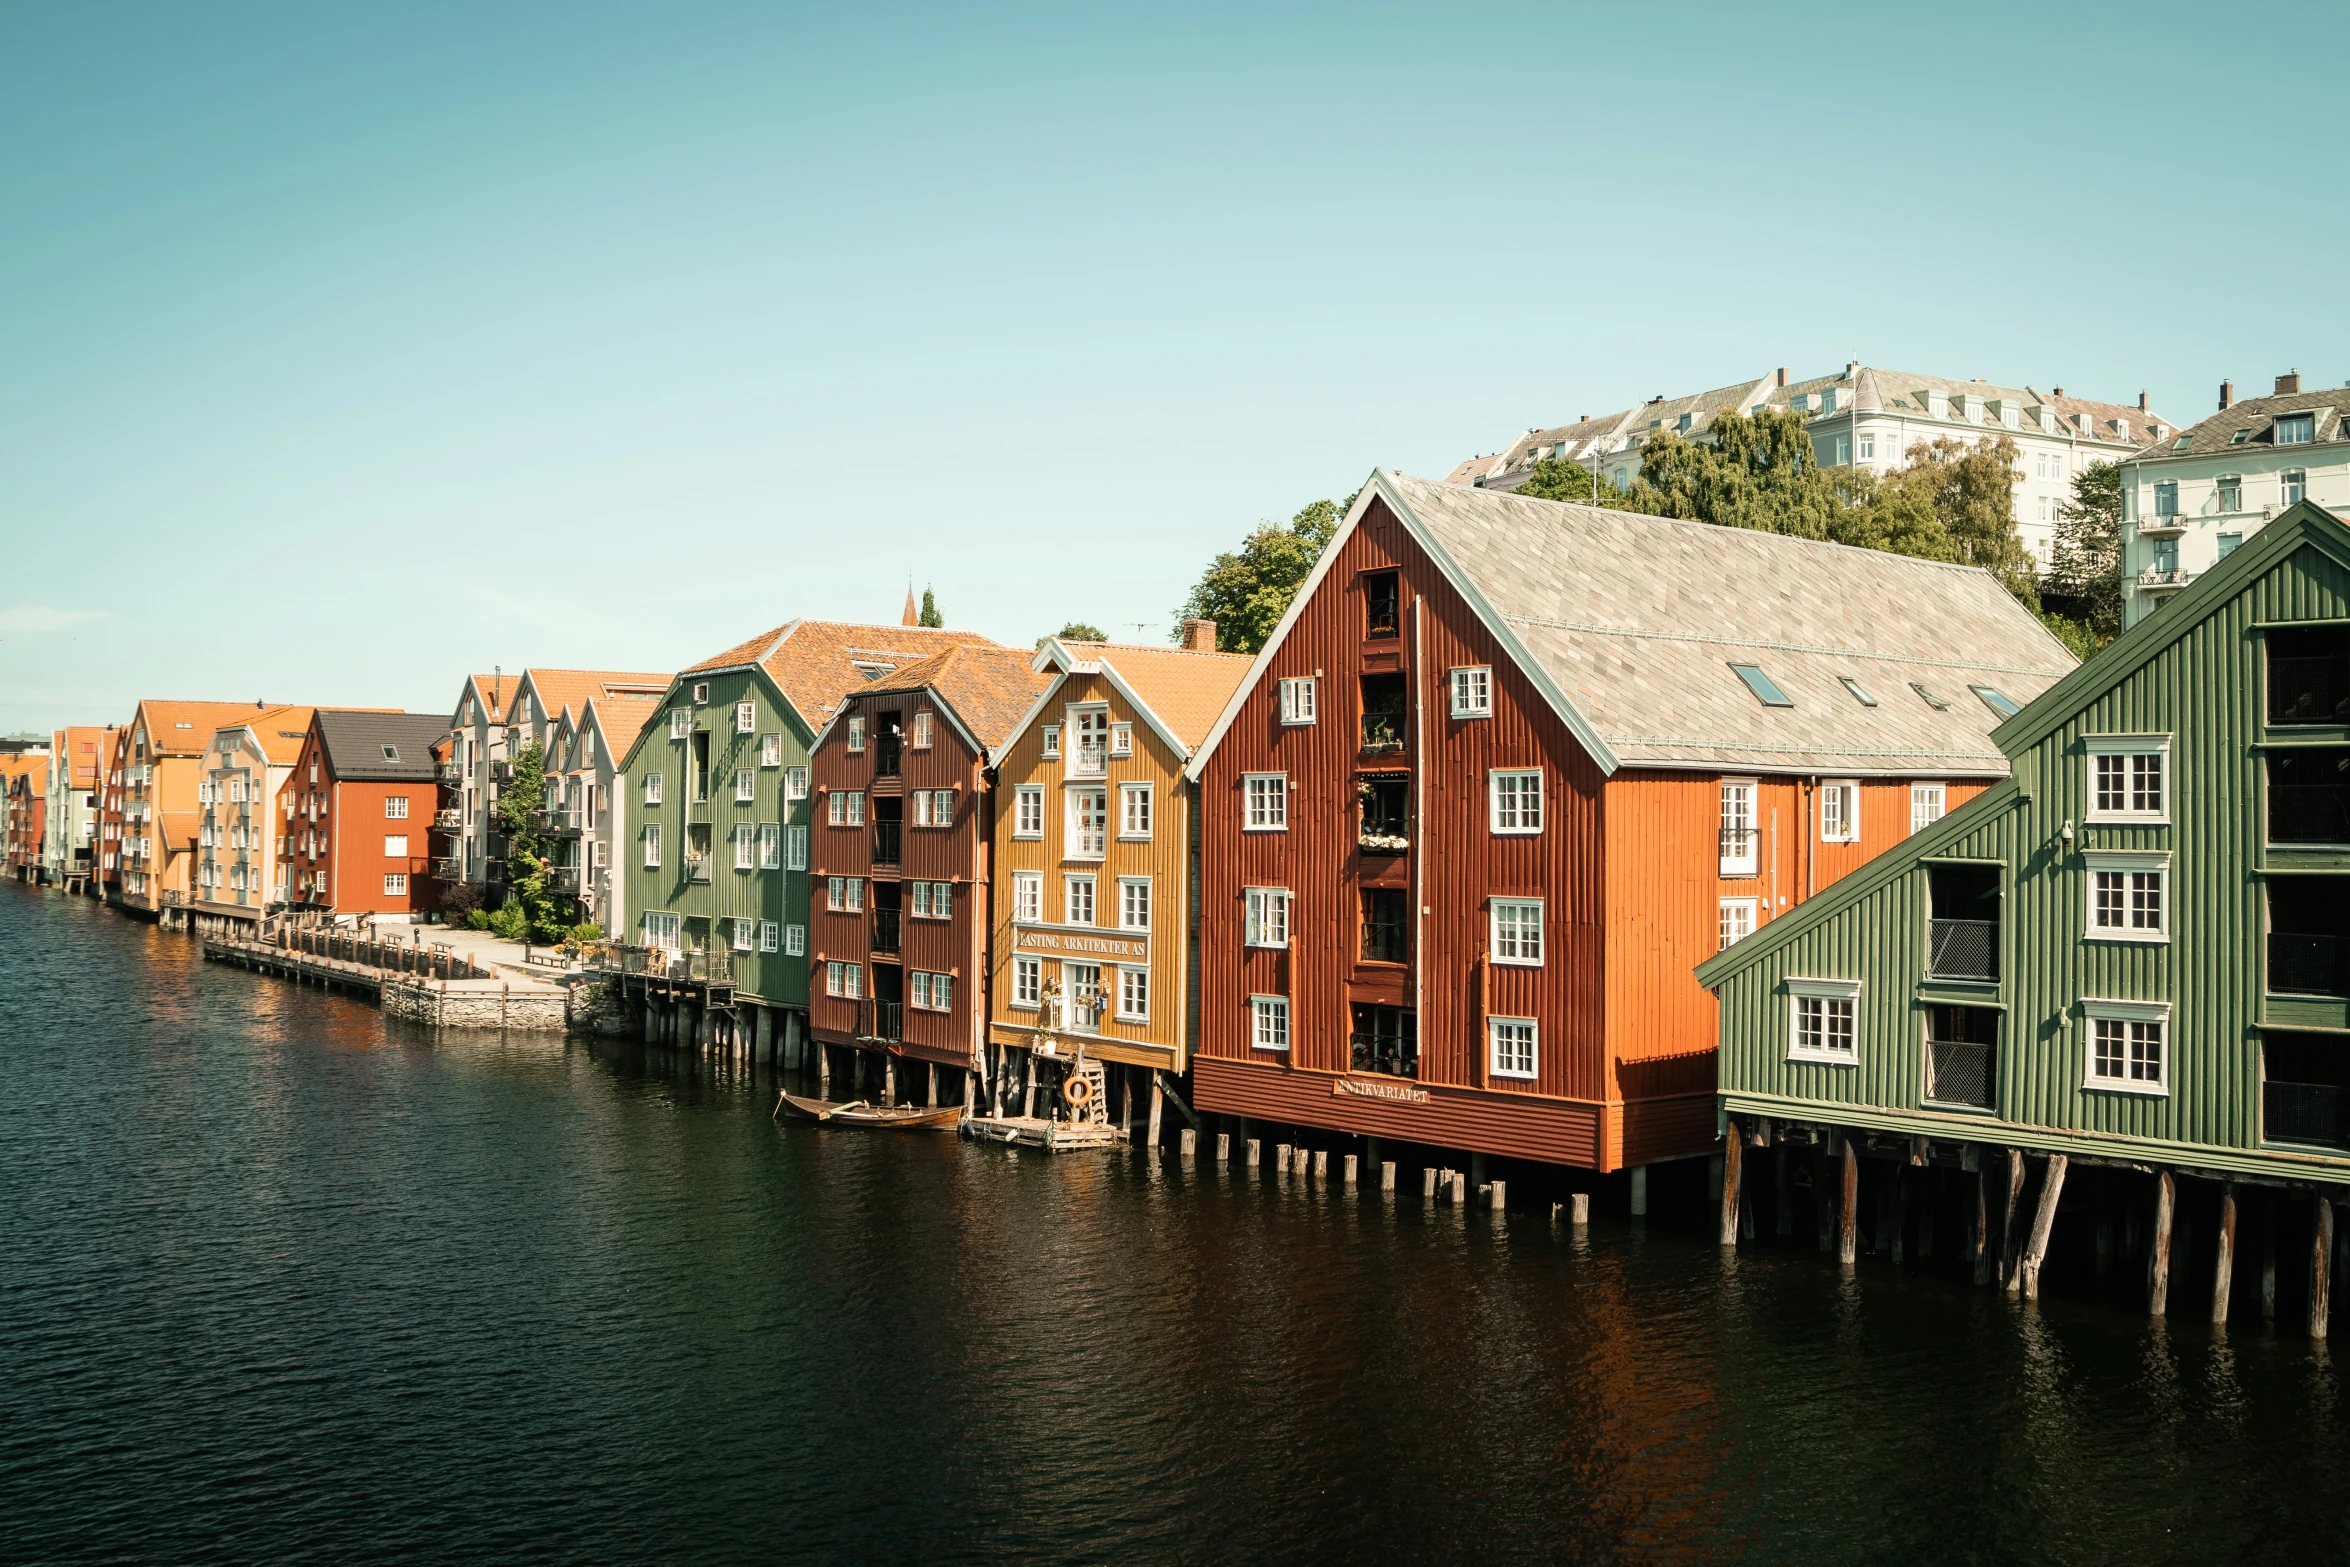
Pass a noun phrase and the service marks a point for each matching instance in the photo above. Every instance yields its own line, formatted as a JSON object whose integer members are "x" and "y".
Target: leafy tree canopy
{"x": 1079, "y": 631}
{"x": 528, "y": 909}
{"x": 1245, "y": 592}
{"x": 2084, "y": 581}
{"x": 929, "y": 615}
{"x": 1557, "y": 480}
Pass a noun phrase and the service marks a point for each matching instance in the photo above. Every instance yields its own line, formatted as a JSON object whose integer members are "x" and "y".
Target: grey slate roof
{"x": 2257, "y": 418}
{"x": 354, "y": 744}
{"x": 1637, "y": 620}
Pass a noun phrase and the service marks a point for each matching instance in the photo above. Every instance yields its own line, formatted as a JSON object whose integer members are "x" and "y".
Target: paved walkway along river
{"x": 282, "y": 1279}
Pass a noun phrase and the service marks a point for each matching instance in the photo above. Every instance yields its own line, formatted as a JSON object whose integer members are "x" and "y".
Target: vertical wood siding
{"x": 2205, "y": 691}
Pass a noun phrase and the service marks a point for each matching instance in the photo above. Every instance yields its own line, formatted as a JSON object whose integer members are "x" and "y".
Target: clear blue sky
{"x": 344, "y": 349}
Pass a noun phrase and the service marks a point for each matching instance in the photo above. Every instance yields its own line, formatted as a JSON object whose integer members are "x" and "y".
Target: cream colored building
{"x": 242, "y": 809}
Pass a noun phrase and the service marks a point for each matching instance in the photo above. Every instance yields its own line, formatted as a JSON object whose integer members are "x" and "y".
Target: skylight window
{"x": 2240, "y": 437}
{"x": 1859, "y": 692}
{"x": 1996, "y": 700}
{"x": 2182, "y": 443}
{"x": 1765, "y": 689}
{"x": 1929, "y": 698}
{"x": 391, "y": 753}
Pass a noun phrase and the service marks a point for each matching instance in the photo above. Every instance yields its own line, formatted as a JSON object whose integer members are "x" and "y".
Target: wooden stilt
{"x": 1028, "y": 1085}
{"x": 1501, "y": 1197}
{"x": 2043, "y": 1223}
{"x": 1889, "y": 1211}
{"x": 1322, "y": 1165}
{"x": 1223, "y": 1147}
{"x": 1733, "y": 1174}
{"x": 2166, "y": 1198}
{"x": 1252, "y": 1153}
{"x": 2321, "y": 1265}
{"x": 2011, "y": 1238}
{"x": 2224, "y": 1254}
{"x": 1190, "y": 1145}
{"x": 1347, "y": 1179}
{"x": 1579, "y": 1209}
{"x": 1639, "y": 1191}
{"x": 1460, "y": 1190}
{"x": 1782, "y": 1210}
{"x": 1823, "y": 1210}
{"x": 889, "y": 1079}
{"x": 1281, "y": 1157}
{"x": 1428, "y": 1183}
{"x": 1158, "y": 1096}
{"x": 1848, "y": 1206}
{"x": 1387, "y": 1175}
{"x": 930, "y": 1085}
{"x": 824, "y": 1071}
{"x": 1979, "y": 1227}
{"x": 1126, "y": 1109}
{"x": 2268, "y": 1257}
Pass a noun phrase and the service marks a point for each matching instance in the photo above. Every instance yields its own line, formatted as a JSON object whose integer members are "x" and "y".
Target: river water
{"x": 281, "y": 1280}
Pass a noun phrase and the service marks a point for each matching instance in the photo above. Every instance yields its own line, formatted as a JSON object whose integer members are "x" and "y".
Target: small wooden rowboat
{"x": 858, "y": 1112}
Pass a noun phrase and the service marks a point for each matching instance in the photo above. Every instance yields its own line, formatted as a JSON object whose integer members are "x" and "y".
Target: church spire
{"x": 913, "y": 615}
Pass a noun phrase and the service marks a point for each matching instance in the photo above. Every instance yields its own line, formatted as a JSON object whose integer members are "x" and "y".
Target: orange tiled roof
{"x": 563, "y": 691}
{"x": 82, "y": 746}
{"x": 818, "y": 662}
{"x": 622, "y": 718}
{"x": 186, "y": 728}
{"x": 1187, "y": 690}
{"x": 483, "y": 685}
{"x": 988, "y": 688}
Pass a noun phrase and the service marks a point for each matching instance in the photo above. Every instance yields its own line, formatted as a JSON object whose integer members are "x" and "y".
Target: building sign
{"x": 1380, "y": 1088}
{"x": 1083, "y": 942}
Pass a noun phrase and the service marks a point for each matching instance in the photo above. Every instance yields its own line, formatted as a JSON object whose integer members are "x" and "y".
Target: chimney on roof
{"x": 1851, "y": 368}
{"x": 2288, "y": 383}
{"x": 2056, "y": 391}
{"x": 1782, "y": 375}
{"x": 2141, "y": 402}
{"x": 1199, "y": 636}
{"x": 2227, "y": 395}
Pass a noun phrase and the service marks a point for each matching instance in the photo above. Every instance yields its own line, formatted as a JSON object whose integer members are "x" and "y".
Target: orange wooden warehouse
{"x": 1509, "y": 769}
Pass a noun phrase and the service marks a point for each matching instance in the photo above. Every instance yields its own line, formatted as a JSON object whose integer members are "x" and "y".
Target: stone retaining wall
{"x": 480, "y": 1003}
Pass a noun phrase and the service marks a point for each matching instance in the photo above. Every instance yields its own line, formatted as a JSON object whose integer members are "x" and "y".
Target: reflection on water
{"x": 281, "y": 1280}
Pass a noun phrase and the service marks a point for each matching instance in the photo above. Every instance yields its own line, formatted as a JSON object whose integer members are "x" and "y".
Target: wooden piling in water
{"x": 1501, "y": 1197}
{"x": 1190, "y": 1145}
{"x": 1349, "y": 1176}
{"x": 1322, "y": 1164}
{"x": 2011, "y": 1239}
{"x": 1252, "y": 1153}
{"x": 2268, "y": 1257}
{"x": 1733, "y": 1173}
{"x": 1387, "y": 1175}
{"x": 1848, "y": 1206}
{"x": 2321, "y": 1265}
{"x": 1223, "y": 1147}
{"x": 2043, "y": 1223}
{"x": 1428, "y": 1183}
{"x": 1158, "y": 1097}
{"x": 2224, "y": 1255}
{"x": 2166, "y": 1197}
{"x": 1579, "y": 1209}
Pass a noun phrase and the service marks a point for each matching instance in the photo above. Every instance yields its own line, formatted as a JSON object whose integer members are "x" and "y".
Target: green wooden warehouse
{"x": 2130, "y": 960}
{"x": 713, "y": 880}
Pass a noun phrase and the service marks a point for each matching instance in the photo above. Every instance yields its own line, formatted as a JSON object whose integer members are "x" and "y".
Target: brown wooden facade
{"x": 1406, "y": 897}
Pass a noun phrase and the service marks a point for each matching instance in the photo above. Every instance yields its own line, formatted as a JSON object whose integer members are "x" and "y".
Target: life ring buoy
{"x": 1078, "y": 1091}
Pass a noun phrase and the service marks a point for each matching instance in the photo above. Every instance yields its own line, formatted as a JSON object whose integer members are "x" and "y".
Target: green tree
{"x": 1079, "y": 631}
{"x": 528, "y": 910}
{"x": 2084, "y": 581}
{"x": 1245, "y": 592}
{"x": 1556, "y": 480}
{"x": 930, "y": 615}
{"x": 1968, "y": 487}
{"x": 1755, "y": 471}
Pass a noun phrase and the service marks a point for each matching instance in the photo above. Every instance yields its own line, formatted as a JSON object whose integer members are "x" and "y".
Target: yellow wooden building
{"x": 1093, "y": 842}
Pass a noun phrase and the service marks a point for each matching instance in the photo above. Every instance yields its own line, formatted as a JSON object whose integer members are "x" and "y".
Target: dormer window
{"x": 1800, "y": 402}
{"x": 1686, "y": 421}
{"x": 1828, "y": 401}
{"x": 2296, "y": 429}
{"x": 1382, "y": 600}
{"x": 701, "y": 692}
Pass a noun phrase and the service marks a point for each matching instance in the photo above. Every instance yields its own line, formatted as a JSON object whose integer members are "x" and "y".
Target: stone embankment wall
{"x": 600, "y": 1006}
{"x": 480, "y": 1003}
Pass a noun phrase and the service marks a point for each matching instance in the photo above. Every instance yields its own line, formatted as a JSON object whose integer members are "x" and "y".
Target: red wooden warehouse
{"x": 359, "y": 809}
{"x": 899, "y": 919}
{"x": 1509, "y": 769}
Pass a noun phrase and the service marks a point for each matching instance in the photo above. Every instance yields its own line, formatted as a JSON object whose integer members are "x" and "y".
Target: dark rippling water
{"x": 281, "y": 1281}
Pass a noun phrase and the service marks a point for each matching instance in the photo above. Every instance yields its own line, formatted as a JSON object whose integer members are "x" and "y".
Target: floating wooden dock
{"x": 1035, "y": 1131}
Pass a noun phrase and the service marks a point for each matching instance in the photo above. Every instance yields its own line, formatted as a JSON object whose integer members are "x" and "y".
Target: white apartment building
{"x": 2190, "y": 499}
{"x": 1864, "y": 417}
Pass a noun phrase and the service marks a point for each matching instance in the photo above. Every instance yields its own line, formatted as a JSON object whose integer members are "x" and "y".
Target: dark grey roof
{"x": 355, "y": 744}
{"x": 2256, "y": 417}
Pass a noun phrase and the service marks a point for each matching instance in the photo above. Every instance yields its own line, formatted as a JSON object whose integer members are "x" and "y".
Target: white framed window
{"x": 652, "y": 844}
{"x": 919, "y": 893}
{"x": 1472, "y": 691}
{"x": 746, "y": 785}
{"x": 1089, "y": 824}
{"x": 395, "y": 845}
{"x": 1868, "y": 446}
{"x": 663, "y": 930}
{"x": 2293, "y": 486}
{"x": 701, "y": 692}
{"x": 744, "y": 836}
{"x": 1134, "y": 995}
{"x": 846, "y": 980}
{"x": 746, "y": 717}
{"x": 652, "y": 788}
{"x": 1517, "y": 931}
{"x": 795, "y": 784}
{"x": 934, "y": 900}
{"x": 1737, "y": 920}
{"x": 845, "y": 808}
{"x": 857, "y": 732}
{"x": 1052, "y": 741}
{"x": 922, "y": 722}
{"x": 1134, "y": 812}
{"x": 2128, "y": 1046}
{"x": 1840, "y": 811}
{"x": 1121, "y": 739}
{"x": 395, "y": 884}
{"x": 1738, "y": 834}
{"x": 770, "y": 846}
{"x": 1512, "y": 1047}
{"x": 2129, "y": 894}
{"x": 1027, "y": 898}
{"x": 1821, "y": 1020}
{"x": 1268, "y": 1023}
{"x": 1300, "y": 702}
{"x": 1267, "y": 795}
{"x": 681, "y": 721}
{"x": 745, "y": 934}
{"x": 1514, "y": 797}
{"x": 1267, "y": 922}
{"x": 2129, "y": 778}
{"x": 769, "y": 931}
{"x": 1027, "y": 983}
{"x": 845, "y": 894}
{"x": 771, "y": 750}
{"x": 795, "y": 849}
{"x": 1134, "y": 903}
{"x": 1028, "y": 811}
{"x": 934, "y": 807}
{"x": 795, "y": 941}
{"x": 1082, "y": 1003}
{"x": 1928, "y": 804}
{"x": 1077, "y": 900}
{"x": 396, "y": 807}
